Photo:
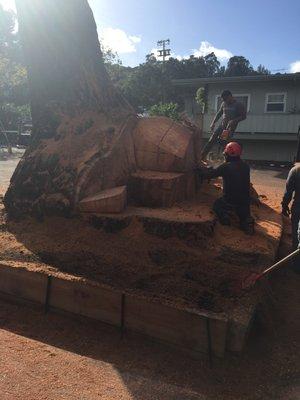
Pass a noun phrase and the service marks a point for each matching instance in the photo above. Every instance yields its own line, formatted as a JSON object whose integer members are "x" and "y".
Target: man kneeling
{"x": 236, "y": 188}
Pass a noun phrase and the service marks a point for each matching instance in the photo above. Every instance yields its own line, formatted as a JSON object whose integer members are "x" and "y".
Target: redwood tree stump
{"x": 82, "y": 126}
{"x": 86, "y": 137}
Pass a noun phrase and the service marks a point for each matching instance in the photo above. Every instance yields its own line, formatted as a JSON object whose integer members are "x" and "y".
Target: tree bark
{"x": 82, "y": 126}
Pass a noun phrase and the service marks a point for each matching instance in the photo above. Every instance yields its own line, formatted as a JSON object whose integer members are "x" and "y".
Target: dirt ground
{"x": 53, "y": 357}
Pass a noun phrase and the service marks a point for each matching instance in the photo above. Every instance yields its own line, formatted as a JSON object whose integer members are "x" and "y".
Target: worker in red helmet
{"x": 236, "y": 188}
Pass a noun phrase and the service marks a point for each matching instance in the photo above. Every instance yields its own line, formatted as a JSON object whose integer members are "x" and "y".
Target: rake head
{"x": 240, "y": 286}
{"x": 250, "y": 281}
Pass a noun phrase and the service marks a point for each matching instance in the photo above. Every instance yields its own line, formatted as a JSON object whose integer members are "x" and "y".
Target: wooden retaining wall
{"x": 195, "y": 333}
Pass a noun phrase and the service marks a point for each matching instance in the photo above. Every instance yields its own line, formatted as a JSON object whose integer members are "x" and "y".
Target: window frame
{"x": 248, "y": 95}
{"x": 275, "y": 102}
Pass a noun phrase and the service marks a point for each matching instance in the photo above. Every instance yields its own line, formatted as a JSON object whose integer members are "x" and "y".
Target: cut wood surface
{"x": 157, "y": 189}
{"x": 163, "y": 145}
{"x": 108, "y": 201}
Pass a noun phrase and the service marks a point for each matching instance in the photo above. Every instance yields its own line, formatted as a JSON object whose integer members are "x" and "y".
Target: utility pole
{"x": 163, "y": 52}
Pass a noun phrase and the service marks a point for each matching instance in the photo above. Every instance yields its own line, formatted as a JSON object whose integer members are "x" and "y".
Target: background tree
{"x": 261, "y": 70}
{"x": 14, "y": 97}
{"x": 169, "y": 110}
{"x": 8, "y": 37}
{"x": 142, "y": 85}
{"x": 13, "y": 93}
{"x": 201, "y": 99}
{"x": 238, "y": 66}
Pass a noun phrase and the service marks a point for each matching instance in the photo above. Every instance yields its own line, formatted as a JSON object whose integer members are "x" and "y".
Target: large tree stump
{"x": 86, "y": 137}
{"x": 82, "y": 127}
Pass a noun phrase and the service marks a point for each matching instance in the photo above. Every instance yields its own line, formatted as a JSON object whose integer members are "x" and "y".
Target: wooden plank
{"x": 218, "y": 330}
{"x": 239, "y": 326}
{"x": 180, "y": 328}
{"x": 90, "y": 301}
{"x": 19, "y": 282}
{"x": 167, "y": 324}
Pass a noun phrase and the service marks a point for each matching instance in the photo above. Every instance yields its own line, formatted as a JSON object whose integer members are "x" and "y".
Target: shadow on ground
{"x": 269, "y": 369}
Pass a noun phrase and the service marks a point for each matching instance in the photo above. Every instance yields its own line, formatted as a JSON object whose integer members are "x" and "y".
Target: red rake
{"x": 251, "y": 280}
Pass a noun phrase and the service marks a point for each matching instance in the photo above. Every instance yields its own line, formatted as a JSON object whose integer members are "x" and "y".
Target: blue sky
{"x": 266, "y": 32}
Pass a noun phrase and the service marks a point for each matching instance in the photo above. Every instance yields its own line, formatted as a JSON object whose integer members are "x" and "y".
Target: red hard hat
{"x": 233, "y": 149}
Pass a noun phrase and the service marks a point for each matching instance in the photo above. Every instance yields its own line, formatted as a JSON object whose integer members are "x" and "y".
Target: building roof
{"x": 255, "y": 78}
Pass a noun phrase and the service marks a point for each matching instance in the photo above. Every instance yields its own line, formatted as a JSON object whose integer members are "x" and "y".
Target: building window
{"x": 275, "y": 102}
{"x": 241, "y": 98}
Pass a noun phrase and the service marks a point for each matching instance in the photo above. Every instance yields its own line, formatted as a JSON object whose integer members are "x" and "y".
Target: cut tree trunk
{"x": 82, "y": 126}
{"x": 161, "y": 189}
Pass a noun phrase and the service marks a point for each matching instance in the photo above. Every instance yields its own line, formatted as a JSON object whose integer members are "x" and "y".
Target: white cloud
{"x": 207, "y": 48}
{"x": 118, "y": 40}
{"x": 135, "y": 39}
{"x": 295, "y": 67}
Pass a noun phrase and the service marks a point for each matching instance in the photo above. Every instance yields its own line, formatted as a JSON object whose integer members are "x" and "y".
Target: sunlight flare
{"x": 8, "y": 4}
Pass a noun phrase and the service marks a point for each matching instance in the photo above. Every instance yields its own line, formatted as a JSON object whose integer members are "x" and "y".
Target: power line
{"x": 278, "y": 70}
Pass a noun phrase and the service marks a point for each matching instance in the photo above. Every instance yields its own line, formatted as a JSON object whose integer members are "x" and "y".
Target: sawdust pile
{"x": 177, "y": 271}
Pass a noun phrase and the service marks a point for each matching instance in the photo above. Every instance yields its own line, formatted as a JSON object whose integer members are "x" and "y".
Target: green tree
{"x": 144, "y": 85}
{"x": 262, "y": 70}
{"x": 9, "y": 40}
{"x": 14, "y": 97}
{"x": 238, "y": 66}
{"x": 13, "y": 93}
{"x": 165, "y": 109}
{"x": 201, "y": 98}
{"x": 7, "y": 32}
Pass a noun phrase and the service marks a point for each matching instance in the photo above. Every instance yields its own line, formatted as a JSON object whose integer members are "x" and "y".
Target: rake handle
{"x": 279, "y": 263}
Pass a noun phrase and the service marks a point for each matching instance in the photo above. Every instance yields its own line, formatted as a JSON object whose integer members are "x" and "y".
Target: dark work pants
{"x": 295, "y": 218}
{"x": 214, "y": 138}
{"x": 224, "y": 209}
